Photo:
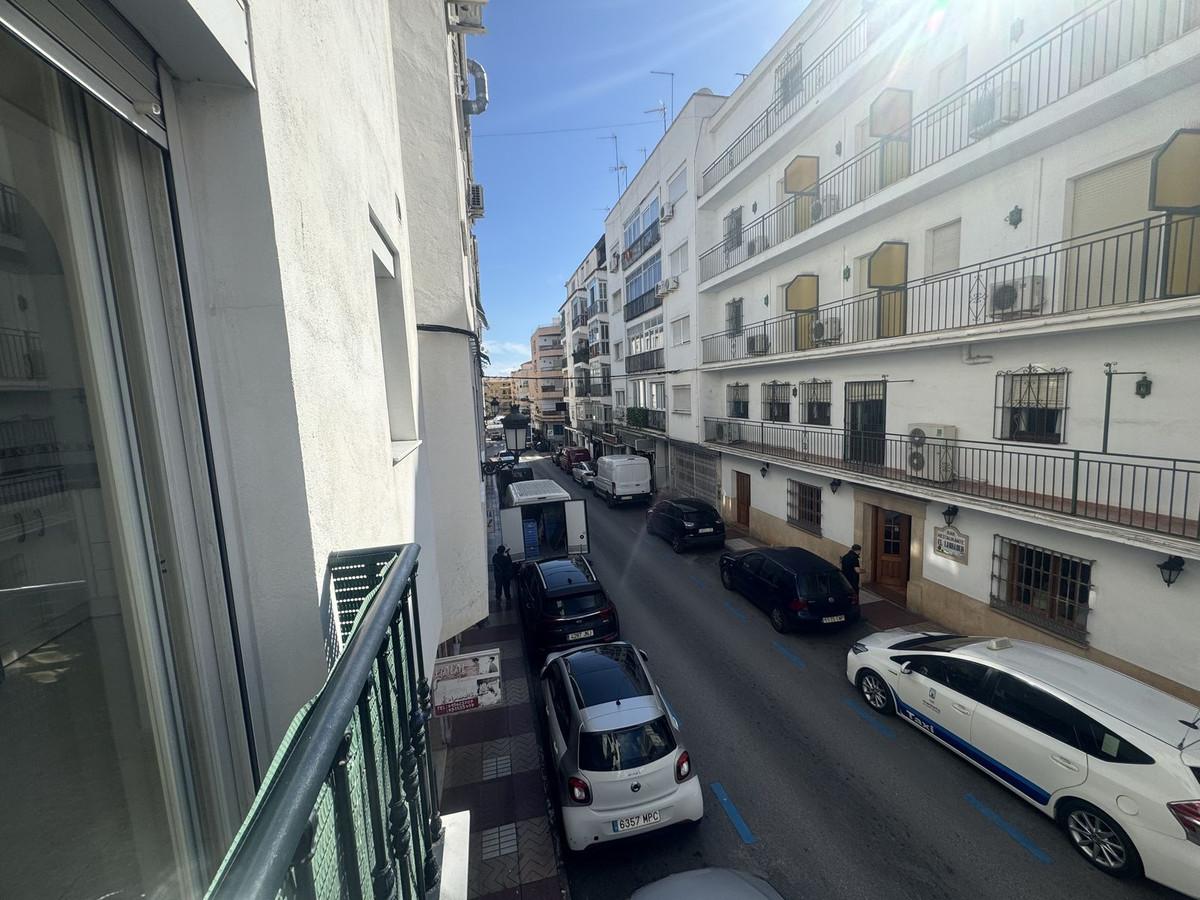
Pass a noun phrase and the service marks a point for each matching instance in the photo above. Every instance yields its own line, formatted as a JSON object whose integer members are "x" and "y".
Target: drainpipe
{"x": 474, "y": 106}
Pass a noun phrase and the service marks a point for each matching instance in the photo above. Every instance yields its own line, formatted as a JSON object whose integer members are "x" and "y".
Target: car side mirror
{"x": 643, "y": 654}
{"x": 906, "y": 668}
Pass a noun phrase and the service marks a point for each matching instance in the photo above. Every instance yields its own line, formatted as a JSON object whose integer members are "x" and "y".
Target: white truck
{"x": 539, "y": 520}
{"x": 623, "y": 478}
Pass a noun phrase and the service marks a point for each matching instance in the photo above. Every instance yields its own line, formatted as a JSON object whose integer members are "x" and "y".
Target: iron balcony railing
{"x": 642, "y": 304}
{"x": 836, "y": 58}
{"x": 579, "y": 321}
{"x": 644, "y": 362}
{"x": 349, "y": 805}
{"x": 638, "y": 248}
{"x": 21, "y": 354}
{"x": 643, "y": 417}
{"x": 1149, "y": 493}
{"x": 10, "y": 214}
{"x": 1147, "y": 260}
{"x": 1086, "y": 47}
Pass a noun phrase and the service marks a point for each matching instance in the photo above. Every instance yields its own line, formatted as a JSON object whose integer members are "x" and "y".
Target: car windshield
{"x": 703, "y": 515}
{"x": 824, "y": 584}
{"x": 573, "y": 605}
{"x": 625, "y": 748}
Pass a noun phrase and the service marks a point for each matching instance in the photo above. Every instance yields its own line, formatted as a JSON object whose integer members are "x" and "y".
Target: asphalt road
{"x": 825, "y": 798}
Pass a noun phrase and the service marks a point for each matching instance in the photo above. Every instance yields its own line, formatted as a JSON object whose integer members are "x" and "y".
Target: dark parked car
{"x": 563, "y": 605}
{"x": 686, "y": 522}
{"x": 791, "y": 585}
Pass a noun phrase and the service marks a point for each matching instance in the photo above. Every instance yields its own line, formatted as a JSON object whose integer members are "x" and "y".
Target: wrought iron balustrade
{"x": 648, "y": 361}
{"x": 642, "y": 304}
{"x": 643, "y": 417}
{"x": 638, "y": 248}
{"x": 1155, "y": 494}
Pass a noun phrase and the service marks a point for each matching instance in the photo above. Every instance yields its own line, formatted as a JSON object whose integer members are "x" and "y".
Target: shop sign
{"x": 951, "y": 543}
{"x": 466, "y": 682}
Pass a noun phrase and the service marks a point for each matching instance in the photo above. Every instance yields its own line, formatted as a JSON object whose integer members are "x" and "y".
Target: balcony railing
{"x": 21, "y": 355}
{"x": 638, "y": 248}
{"x": 583, "y": 387}
{"x": 1082, "y": 50}
{"x": 579, "y": 321}
{"x": 1142, "y": 261}
{"x": 581, "y": 354}
{"x": 644, "y": 362}
{"x": 1148, "y": 493}
{"x": 351, "y": 795}
{"x": 844, "y": 50}
{"x": 642, "y": 304}
{"x": 598, "y": 348}
{"x": 10, "y": 214}
{"x": 642, "y": 417}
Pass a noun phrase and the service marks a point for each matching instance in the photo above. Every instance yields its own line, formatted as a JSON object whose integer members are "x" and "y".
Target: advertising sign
{"x": 466, "y": 682}
{"x": 951, "y": 543}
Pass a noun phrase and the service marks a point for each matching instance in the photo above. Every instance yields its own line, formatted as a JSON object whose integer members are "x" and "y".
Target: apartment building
{"x": 499, "y": 394}
{"x": 650, "y": 236}
{"x": 946, "y": 301}
{"x": 523, "y": 386}
{"x": 239, "y": 331}
{"x": 546, "y": 404}
{"x": 588, "y": 384}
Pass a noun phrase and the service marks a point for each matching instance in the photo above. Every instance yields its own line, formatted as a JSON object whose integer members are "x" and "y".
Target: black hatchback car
{"x": 564, "y": 606}
{"x": 791, "y": 585}
{"x": 686, "y": 522}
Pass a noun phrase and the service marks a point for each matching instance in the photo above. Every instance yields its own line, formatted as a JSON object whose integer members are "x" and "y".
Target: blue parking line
{"x": 733, "y": 609}
{"x": 696, "y": 579}
{"x": 735, "y": 818}
{"x": 789, "y": 655}
{"x": 870, "y": 718}
{"x": 1011, "y": 830}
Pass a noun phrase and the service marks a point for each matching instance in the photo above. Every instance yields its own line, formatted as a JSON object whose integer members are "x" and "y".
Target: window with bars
{"x": 737, "y": 399}
{"x": 777, "y": 401}
{"x": 731, "y": 227}
{"x": 1031, "y": 405}
{"x": 816, "y": 401}
{"x": 1047, "y": 588}
{"x": 733, "y": 317}
{"x": 804, "y": 506}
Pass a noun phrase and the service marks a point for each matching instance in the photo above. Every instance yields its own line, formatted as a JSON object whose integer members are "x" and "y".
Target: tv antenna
{"x": 661, "y": 109}
{"x": 670, "y": 75}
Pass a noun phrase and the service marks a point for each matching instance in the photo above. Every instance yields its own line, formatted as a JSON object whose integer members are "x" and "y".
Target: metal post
{"x": 426, "y": 696}
{"x": 1143, "y": 293}
{"x": 1108, "y": 376}
{"x": 383, "y": 874}
{"x": 1075, "y": 482}
{"x": 398, "y": 827}
{"x": 343, "y": 819}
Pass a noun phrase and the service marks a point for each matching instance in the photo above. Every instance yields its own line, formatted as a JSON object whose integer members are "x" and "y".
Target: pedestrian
{"x": 852, "y": 565}
{"x": 502, "y": 565}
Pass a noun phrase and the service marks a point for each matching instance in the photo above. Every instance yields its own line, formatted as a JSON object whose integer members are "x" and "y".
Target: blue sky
{"x": 574, "y": 64}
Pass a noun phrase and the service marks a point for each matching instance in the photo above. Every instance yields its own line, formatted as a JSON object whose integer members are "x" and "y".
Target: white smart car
{"x": 618, "y": 761}
{"x": 1114, "y": 761}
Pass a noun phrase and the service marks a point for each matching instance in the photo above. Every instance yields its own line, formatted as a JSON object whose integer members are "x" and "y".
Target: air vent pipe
{"x": 473, "y": 106}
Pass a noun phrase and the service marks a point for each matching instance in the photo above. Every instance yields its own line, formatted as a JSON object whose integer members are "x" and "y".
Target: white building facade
{"x": 241, "y": 324}
{"x": 586, "y": 324}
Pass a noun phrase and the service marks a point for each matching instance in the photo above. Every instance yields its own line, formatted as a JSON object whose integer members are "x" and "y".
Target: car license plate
{"x": 705, "y": 531}
{"x": 829, "y": 619}
{"x": 638, "y": 821}
{"x": 576, "y": 635}
{"x": 626, "y": 498}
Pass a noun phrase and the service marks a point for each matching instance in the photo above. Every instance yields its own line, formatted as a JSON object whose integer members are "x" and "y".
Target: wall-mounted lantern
{"x": 950, "y": 513}
{"x": 1170, "y": 568}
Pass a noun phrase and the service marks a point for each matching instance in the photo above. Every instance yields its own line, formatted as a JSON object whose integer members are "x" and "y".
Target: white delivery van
{"x": 539, "y": 520}
{"x": 622, "y": 479}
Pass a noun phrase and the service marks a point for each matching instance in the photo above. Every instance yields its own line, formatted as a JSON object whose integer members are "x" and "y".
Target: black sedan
{"x": 791, "y": 585}
{"x": 686, "y": 522}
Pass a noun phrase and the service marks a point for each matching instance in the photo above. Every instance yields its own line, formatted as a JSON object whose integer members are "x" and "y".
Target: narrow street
{"x": 824, "y": 798}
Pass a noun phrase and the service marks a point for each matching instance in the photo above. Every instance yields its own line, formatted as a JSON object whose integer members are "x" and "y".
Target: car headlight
{"x": 689, "y": 524}
{"x": 858, "y": 648}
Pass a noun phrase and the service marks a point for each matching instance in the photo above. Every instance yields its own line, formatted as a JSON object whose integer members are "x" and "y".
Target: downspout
{"x": 473, "y": 106}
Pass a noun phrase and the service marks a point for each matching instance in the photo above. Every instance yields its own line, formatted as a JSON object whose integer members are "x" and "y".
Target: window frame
{"x": 734, "y": 324}
{"x": 776, "y": 401}
{"x": 804, "y": 506}
{"x": 1046, "y": 392}
{"x": 731, "y": 397}
{"x": 1063, "y": 615}
{"x": 812, "y": 395}
{"x": 685, "y": 321}
{"x": 675, "y": 408}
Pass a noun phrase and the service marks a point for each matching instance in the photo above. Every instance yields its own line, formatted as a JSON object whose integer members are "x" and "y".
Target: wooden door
{"x": 742, "y": 498}
{"x": 892, "y": 531}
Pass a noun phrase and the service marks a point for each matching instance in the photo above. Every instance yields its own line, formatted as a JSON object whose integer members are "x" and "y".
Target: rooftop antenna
{"x": 670, "y": 75}
{"x": 645, "y": 155}
{"x": 617, "y": 166}
{"x": 742, "y": 75}
{"x": 661, "y": 109}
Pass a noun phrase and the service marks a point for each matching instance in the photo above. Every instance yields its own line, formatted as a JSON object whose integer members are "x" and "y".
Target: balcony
{"x": 649, "y": 361}
{"x": 642, "y": 304}
{"x": 583, "y": 387}
{"x": 10, "y": 214}
{"x": 581, "y": 354}
{"x": 1146, "y": 493}
{"x": 642, "y": 417}
{"x": 638, "y": 248}
{"x": 352, "y": 791}
{"x": 1123, "y": 267}
{"x": 1085, "y": 48}
{"x": 579, "y": 321}
{"x": 598, "y": 348}
{"x": 21, "y": 353}
{"x": 844, "y": 50}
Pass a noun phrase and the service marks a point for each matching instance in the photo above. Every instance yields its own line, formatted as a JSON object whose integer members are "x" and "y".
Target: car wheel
{"x": 1099, "y": 839}
{"x": 677, "y": 545}
{"x": 779, "y": 620}
{"x": 876, "y": 693}
{"x": 727, "y": 579}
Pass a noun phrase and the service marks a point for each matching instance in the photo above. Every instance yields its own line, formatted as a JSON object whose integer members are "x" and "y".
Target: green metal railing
{"x": 349, "y": 806}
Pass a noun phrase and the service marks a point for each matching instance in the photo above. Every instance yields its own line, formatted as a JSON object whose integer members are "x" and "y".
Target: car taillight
{"x": 683, "y": 766}
{"x": 854, "y": 599}
{"x": 1188, "y": 814}
{"x": 799, "y": 604}
{"x": 580, "y": 792}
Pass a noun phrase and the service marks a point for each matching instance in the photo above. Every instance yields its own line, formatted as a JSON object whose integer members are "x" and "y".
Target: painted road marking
{"x": 733, "y": 609}
{"x": 789, "y": 655}
{"x": 870, "y": 718}
{"x": 1011, "y": 830}
{"x": 735, "y": 818}
{"x": 696, "y": 579}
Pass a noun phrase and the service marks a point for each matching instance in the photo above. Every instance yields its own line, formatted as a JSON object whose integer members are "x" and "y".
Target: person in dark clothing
{"x": 852, "y": 565}
{"x": 502, "y": 574}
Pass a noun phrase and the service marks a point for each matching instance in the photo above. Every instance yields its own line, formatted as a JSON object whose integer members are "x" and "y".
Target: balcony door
{"x": 865, "y": 422}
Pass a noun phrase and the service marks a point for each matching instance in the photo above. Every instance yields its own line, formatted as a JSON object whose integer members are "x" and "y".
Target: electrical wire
{"x": 483, "y": 134}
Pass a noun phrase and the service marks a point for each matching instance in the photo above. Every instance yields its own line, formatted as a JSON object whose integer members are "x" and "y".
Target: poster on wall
{"x": 951, "y": 543}
{"x": 466, "y": 682}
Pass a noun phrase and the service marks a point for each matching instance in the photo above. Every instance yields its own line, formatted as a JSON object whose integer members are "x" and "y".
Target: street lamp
{"x": 516, "y": 431}
{"x": 1170, "y": 569}
{"x": 950, "y": 513}
{"x": 495, "y": 407}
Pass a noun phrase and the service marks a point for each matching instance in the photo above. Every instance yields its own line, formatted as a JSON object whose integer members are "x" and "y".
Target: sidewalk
{"x": 494, "y": 770}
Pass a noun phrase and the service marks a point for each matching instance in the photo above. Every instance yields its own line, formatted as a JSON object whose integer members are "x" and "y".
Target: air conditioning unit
{"x": 994, "y": 107}
{"x": 614, "y": 260}
{"x": 825, "y": 206}
{"x": 466, "y": 16}
{"x": 666, "y": 212}
{"x": 931, "y": 451}
{"x": 475, "y": 201}
{"x": 757, "y": 344}
{"x": 827, "y": 331}
{"x": 644, "y": 444}
{"x": 1016, "y": 298}
{"x": 674, "y": 279}
{"x": 661, "y": 288}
